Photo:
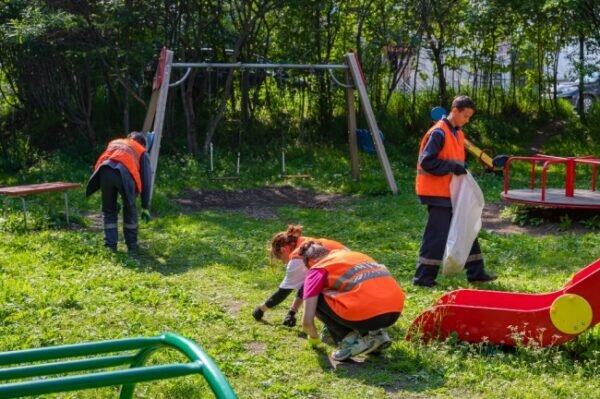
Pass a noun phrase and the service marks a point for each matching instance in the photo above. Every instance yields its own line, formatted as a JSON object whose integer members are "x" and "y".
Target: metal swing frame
{"x": 355, "y": 81}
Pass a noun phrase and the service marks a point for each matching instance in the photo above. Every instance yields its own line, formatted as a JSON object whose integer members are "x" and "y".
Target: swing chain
{"x": 337, "y": 82}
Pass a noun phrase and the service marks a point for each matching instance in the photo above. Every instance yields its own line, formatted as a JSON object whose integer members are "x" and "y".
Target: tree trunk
{"x": 414, "y": 88}
{"x": 439, "y": 63}
{"x": 210, "y": 132}
{"x": 126, "y": 47}
{"x": 581, "y": 71}
{"x": 491, "y": 72}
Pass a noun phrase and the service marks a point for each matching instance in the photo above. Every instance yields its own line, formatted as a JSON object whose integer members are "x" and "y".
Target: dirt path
{"x": 260, "y": 202}
{"x": 263, "y": 202}
{"x": 550, "y": 222}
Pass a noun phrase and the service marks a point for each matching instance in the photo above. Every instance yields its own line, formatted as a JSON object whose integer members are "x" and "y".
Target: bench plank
{"x": 19, "y": 191}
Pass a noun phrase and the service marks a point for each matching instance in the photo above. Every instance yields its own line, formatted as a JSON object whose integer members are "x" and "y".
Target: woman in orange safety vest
{"x": 353, "y": 295}
{"x": 284, "y": 247}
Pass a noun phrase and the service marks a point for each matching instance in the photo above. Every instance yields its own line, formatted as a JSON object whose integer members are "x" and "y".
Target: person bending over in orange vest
{"x": 285, "y": 247}
{"x": 123, "y": 168}
{"x": 353, "y": 295}
{"x": 441, "y": 155}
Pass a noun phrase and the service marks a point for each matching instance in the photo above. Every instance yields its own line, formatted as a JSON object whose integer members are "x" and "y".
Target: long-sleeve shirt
{"x": 432, "y": 164}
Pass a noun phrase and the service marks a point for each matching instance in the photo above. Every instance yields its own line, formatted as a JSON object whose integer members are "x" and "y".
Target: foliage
{"x": 103, "y": 56}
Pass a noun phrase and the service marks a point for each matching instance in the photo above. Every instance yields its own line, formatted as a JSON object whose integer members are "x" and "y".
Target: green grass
{"x": 201, "y": 274}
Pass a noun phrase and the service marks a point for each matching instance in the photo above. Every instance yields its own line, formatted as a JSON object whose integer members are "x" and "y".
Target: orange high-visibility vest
{"x": 453, "y": 150}
{"x": 128, "y": 152}
{"x": 329, "y": 244}
{"x": 358, "y": 288}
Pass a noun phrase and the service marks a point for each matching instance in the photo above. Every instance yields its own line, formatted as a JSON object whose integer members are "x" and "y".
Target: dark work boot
{"x": 110, "y": 236}
{"x": 476, "y": 273}
{"x": 425, "y": 275}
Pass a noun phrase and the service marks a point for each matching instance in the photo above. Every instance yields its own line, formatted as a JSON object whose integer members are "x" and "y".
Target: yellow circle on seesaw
{"x": 571, "y": 313}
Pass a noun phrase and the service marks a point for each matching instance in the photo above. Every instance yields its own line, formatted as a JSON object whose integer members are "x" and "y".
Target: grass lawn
{"x": 200, "y": 274}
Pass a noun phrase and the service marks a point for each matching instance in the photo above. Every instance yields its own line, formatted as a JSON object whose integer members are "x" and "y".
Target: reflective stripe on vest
{"x": 354, "y": 277}
{"x": 453, "y": 150}
{"x": 358, "y": 288}
{"x": 127, "y": 152}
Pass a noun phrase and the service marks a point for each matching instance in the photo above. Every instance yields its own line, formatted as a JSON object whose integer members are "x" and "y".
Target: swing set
{"x": 354, "y": 81}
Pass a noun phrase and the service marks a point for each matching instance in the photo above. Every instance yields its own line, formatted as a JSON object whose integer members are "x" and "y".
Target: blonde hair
{"x": 312, "y": 250}
{"x": 285, "y": 239}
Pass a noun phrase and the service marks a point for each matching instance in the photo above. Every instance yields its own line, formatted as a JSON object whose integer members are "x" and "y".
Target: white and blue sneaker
{"x": 377, "y": 340}
{"x": 352, "y": 345}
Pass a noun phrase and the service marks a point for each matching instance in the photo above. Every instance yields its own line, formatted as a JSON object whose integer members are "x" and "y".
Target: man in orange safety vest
{"x": 122, "y": 169}
{"x": 442, "y": 155}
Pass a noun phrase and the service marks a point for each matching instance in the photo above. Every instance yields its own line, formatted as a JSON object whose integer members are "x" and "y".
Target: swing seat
{"x": 365, "y": 141}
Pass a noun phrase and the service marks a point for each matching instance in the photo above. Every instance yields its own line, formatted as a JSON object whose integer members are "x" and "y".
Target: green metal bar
{"x": 216, "y": 380}
{"x": 138, "y": 361}
{"x": 97, "y": 380}
{"x": 65, "y": 367}
{"x": 201, "y": 364}
{"x": 85, "y": 349}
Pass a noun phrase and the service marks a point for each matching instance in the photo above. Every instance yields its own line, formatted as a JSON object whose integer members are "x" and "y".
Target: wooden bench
{"x": 25, "y": 190}
{"x": 104, "y": 373}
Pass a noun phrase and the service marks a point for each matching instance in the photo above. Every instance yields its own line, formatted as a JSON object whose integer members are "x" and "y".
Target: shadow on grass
{"x": 394, "y": 370}
{"x": 179, "y": 243}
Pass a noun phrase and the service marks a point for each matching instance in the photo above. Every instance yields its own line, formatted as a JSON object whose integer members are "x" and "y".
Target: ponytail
{"x": 284, "y": 239}
{"x": 311, "y": 250}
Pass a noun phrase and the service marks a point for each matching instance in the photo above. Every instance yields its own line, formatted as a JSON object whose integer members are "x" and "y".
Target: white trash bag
{"x": 467, "y": 207}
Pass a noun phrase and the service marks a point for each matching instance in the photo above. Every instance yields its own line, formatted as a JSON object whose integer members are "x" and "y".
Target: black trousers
{"x": 433, "y": 246}
{"x": 339, "y": 327}
{"x": 111, "y": 185}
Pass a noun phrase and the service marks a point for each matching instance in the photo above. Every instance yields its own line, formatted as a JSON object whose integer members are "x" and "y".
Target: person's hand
{"x": 459, "y": 169}
{"x": 290, "y": 319}
{"x": 146, "y": 215}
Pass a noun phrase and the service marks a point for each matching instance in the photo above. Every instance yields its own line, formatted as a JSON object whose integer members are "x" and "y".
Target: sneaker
{"x": 350, "y": 346}
{"x": 326, "y": 337}
{"x": 484, "y": 278}
{"x": 378, "y": 340}
{"x": 257, "y": 313}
